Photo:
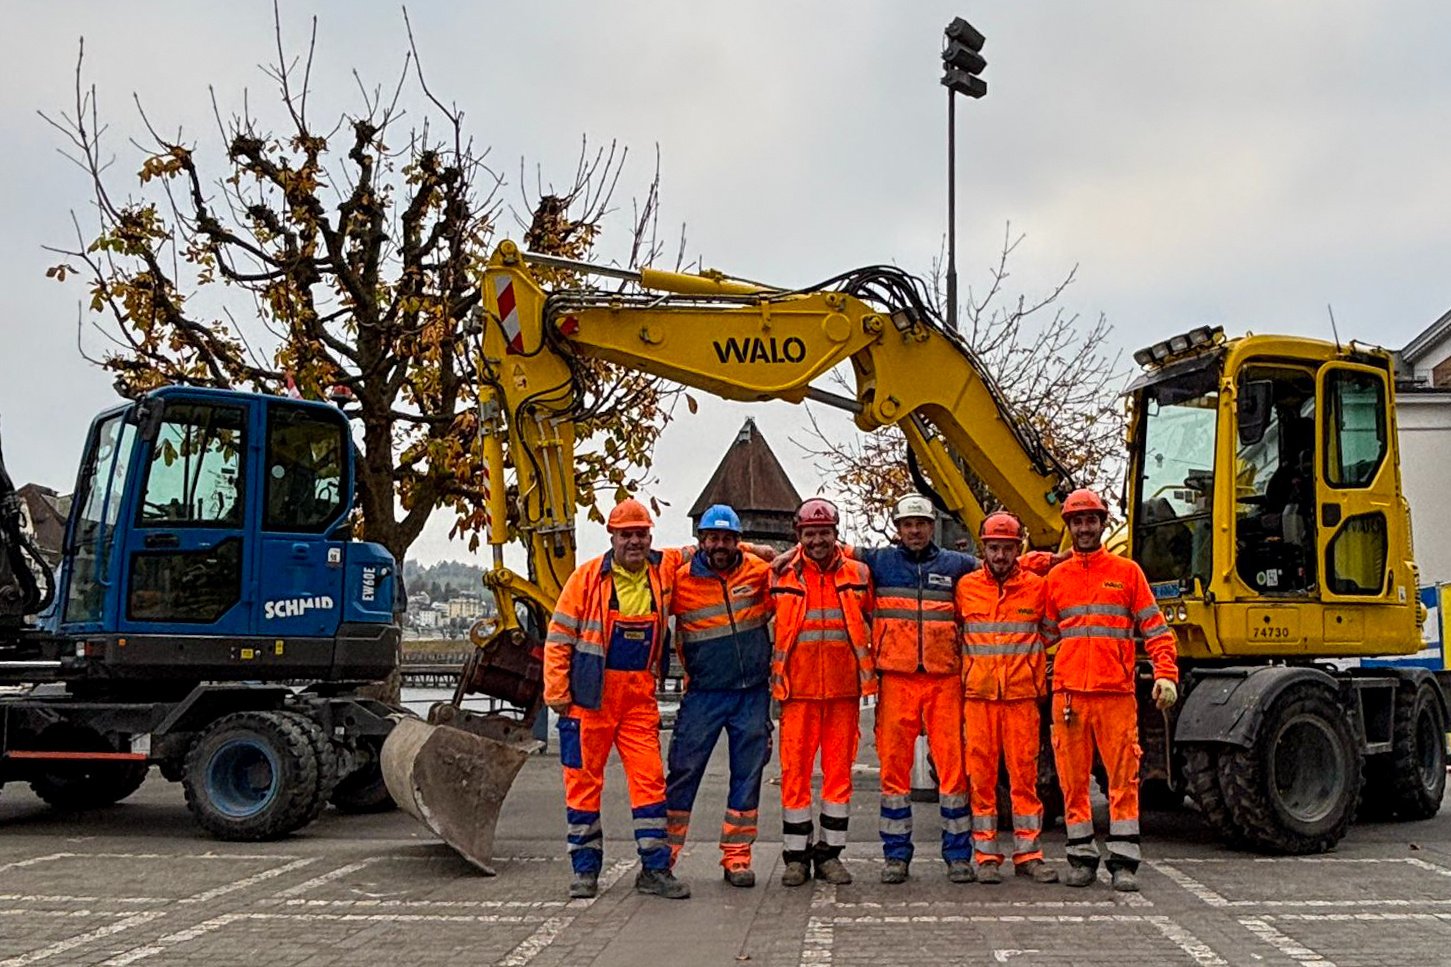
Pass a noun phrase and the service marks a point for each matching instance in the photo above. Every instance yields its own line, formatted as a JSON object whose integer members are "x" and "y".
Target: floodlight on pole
{"x": 962, "y": 63}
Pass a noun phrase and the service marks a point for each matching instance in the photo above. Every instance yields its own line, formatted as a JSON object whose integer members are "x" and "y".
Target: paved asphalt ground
{"x": 137, "y": 882}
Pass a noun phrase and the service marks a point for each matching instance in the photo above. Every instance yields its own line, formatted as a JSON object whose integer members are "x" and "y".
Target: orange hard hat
{"x": 818, "y": 511}
{"x": 1000, "y": 526}
{"x": 1084, "y": 501}
{"x": 629, "y": 513}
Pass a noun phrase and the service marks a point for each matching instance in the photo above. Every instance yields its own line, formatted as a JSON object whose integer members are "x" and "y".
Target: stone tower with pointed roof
{"x": 751, "y": 480}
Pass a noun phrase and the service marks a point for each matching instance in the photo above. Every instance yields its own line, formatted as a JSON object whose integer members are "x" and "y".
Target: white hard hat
{"x": 914, "y": 505}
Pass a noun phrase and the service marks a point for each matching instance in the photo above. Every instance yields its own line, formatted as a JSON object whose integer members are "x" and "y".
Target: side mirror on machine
{"x": 1254, "y": 405}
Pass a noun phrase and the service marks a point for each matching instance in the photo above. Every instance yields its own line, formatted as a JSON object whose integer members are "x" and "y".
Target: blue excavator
{"x": 210, "y": 615}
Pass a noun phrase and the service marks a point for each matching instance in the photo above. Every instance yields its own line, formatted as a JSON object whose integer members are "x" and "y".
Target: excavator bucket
{"x": 452, "y": 772}
{"x": 453, "y": 779}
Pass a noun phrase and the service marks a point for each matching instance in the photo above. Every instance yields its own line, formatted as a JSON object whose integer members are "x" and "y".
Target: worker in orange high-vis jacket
{"x": 1004, "y": 676}
{"x": 1097, "y": 605}
{"x": 605, "y": 640}
{"x": 721, "y": 613}
{"x": 820, "y": 669}
{"x": 914, "y": 632}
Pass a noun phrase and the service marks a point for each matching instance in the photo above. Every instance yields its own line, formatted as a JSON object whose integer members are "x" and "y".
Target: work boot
{"x": 1080, "y": 875}
{"x": 661, "y": 883}
{"x": 960, "y": 871}
{"x": 1040, "y": 872}
{"x": 1125, "y": 881}
{"x": 796, "y": 873}
{"x": 584, "y": 886}
{"x": 740, "y": 876}
{"x": 988, "y": 873}
{"x": 895, "y": 871}
{"x": 831, "y": 870}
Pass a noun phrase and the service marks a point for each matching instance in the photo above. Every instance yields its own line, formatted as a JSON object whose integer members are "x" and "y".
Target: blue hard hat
{"x": 720, "y": 517}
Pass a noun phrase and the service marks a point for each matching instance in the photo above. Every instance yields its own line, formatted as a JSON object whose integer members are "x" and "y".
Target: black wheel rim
{"x": 1307, "y": 769}
{"x": 1430, "y": 753}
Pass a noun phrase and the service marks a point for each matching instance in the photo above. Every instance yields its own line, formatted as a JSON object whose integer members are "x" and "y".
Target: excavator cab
{"x": 209, "y": 539}
{"x": 1265, "y": 482}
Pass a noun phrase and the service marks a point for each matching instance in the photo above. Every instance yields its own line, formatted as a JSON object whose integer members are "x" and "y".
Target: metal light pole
{"x": 962, "y": 62}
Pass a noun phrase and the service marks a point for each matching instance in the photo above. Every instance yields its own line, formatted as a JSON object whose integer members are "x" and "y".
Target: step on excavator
{"x": 1263, "y": 501}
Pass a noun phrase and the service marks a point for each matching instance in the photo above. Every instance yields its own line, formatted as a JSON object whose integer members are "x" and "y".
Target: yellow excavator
{"x": 1263, "y": 501}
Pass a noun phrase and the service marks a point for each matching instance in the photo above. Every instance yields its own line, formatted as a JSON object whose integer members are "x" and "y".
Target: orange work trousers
{"x": 831, "y": 726}
{"x": 1107, "y": 722}
{"x": 1003, "y": 731}
{"x": 908, "y": 703}
{"x": 628, "y": 719}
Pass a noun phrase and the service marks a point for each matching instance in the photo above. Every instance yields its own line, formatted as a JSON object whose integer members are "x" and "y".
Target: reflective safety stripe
{"x": 796, "y": 815}
{"x": 1123, "y": 827}
{"x": 1109, "y": 610}
{"x": 836, "y": 809}
{"x": 1125, "y": 849}
{"x": 1000, "y": 627}
{"x": 825, "y": 614}
{"x": 1079, "y": 830}
{"x": 911, "y": 594}
{"x": 649, "y": 822}
{"x": 1145, "y": 614}
{"x": 975, "y": 650}
{"x": 722, "y": 631}
{"x": 953, "y": 800}
{"x": 955, "y": 827}
{"x": 824, "y": 634}
{"x": 1087, "y": 850}
{"x": 834, "y": 823}
{"x": 1095, "y": 631}
{"x": 677, "y": 826}
{"x": 1024, "y": 844}
{"x": 560, "y": 638}
{"x": 913, "y": 614}
{"x": 590, "y": 648}
{"x": 1022, "y": 822}
{"x": 985, "y": 824}
{"x": 581, "y": 835}
{"x": 896, "y": 802}
{"x": 896, "y": 818}
{"x": 901, "y": 827}
{"x": 700, "y": 614}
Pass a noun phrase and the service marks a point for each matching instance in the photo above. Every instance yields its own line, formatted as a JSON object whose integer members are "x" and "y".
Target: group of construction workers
{"x": 951, "y": 647}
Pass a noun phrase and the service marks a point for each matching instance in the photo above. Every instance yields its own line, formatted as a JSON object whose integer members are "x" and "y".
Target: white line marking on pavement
{"x": 59, "y": 914}
{"x": 1325, "y": 917}
{"x": 1286, "y": 945}
{"x": 975, "y": 904}
{"x": 820, "y": 939}
{"x": 252, "y": 880}
{"x": 424, "y": 904}
{"x": 1201, "y": 952}
{"x": 61, "y": 946}
{"x": 44, "y": 898}
{"x": 1436, "y": 868}
{"x": 21, "y": 864}
{"x": 544, "y": 935}
{"x": 1189, "y": 884}
{"x": 327, "y": 877}
{"x": 160, "y": 944}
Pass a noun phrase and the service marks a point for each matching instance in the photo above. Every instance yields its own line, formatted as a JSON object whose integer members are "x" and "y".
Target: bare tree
{"x": 342, "y": 253}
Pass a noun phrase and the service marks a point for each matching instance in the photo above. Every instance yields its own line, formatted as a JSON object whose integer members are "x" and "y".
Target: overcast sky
{"x": 1234, "y": 163}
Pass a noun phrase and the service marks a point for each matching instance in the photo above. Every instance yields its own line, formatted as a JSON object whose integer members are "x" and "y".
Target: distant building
{"x": 1425, "y": 363}
{"x": 46, "y": 513}
{"x": 465, "y": 606}
{"x": 751, "y": 480}
{"x": 1423, "y": 418}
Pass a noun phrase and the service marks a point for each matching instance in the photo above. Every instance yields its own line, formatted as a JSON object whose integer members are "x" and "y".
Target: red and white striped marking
{"x": 509, "y": 315}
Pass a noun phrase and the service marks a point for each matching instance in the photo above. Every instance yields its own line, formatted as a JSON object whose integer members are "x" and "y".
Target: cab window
{"x": 194, "y": 478}
{"x": 305, "y": 466}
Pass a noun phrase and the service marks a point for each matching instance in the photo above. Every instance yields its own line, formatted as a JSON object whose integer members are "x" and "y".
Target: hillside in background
{"x": 443, "y": 580}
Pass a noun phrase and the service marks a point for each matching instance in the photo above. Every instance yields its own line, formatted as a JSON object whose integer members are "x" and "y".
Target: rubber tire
{"x": 74, "y": 786}
{"x": 1396, "y": 785}
{"x": 1246, "y": 777}
{"x": 293, "y": 790}
{"x": 327, "y": 762}
{"x": 363, "y": 791}
{"x": 1201, "y": 775}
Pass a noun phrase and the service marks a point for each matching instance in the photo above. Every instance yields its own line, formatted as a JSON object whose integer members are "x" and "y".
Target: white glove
{"x": 1166, "y": 693}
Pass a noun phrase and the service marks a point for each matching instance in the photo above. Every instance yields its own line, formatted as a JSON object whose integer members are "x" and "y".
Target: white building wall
{"x": 1425, "y": 442}
{"x": 1431, "y": 357}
